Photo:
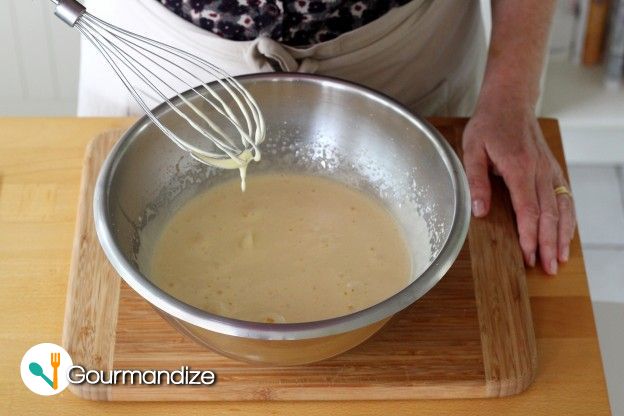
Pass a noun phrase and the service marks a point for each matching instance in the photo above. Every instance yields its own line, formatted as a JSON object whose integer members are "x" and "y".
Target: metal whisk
{"x": 152, "y": 70}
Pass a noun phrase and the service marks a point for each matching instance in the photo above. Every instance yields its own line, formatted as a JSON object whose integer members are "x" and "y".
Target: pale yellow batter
{"x": 292, "y": 248}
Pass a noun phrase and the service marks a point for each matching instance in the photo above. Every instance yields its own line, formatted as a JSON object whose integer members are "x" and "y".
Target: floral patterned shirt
{"x": 292, "y": 22}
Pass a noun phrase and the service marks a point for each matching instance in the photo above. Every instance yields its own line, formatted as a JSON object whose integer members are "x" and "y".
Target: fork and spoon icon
{"x": 55, "y": 362}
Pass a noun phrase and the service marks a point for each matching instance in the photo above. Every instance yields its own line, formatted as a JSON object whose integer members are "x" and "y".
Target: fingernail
{"x": 532, "y": 260}
{"x": 565, "y": 254}
{"x": 553, "y": 266}
{"x": 478, "y": 208}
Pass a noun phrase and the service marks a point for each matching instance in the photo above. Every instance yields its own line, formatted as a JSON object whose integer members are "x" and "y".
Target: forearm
{"x": 520, "y": 31}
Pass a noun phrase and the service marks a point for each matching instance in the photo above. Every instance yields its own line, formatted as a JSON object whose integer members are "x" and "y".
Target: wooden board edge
{"x": 503, "y": 303}
{"x": 454, "y": 390}
{"x": 89, "y": 324}
{"x": 550, "y": 127}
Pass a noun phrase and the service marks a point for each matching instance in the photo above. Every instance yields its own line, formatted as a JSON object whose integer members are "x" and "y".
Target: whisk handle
{"x": 69, "y": 11}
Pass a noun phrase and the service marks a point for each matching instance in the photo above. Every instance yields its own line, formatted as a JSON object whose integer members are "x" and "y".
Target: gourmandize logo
{"x": 55, "y": 361}
{"x": 47, "y": 369}
{"x": 44, "y": 369}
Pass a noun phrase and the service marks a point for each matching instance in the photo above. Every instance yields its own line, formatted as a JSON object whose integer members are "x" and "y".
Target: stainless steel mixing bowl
{"x": 317, "y": 126}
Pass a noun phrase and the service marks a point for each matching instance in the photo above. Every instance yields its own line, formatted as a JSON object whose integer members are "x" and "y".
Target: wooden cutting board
{"x": 470, "y": 336}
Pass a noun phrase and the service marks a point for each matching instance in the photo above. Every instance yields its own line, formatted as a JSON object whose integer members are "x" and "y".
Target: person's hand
{"x": 503, "y": 135}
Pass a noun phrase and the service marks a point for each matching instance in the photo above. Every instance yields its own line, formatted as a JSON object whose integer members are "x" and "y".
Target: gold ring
{"x": 563, "y": 190}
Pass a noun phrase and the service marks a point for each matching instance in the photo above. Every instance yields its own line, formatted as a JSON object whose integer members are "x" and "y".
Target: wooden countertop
{"x": 40, "y": 166}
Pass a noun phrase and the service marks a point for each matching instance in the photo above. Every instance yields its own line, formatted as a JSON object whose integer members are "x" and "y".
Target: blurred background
{"x": 582, "y": 87}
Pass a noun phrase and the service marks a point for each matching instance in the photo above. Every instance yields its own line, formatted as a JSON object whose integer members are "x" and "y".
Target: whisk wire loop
{"x": 154, "y": 71}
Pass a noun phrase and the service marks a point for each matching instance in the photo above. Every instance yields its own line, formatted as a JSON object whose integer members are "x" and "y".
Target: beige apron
{"x": 426, "y": 54}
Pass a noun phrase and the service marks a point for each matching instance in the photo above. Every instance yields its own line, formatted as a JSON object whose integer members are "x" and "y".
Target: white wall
{"x": 39, "y": 58}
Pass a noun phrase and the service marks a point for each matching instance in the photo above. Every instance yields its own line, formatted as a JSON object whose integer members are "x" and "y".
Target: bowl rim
{"x": 290, "y": 331}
